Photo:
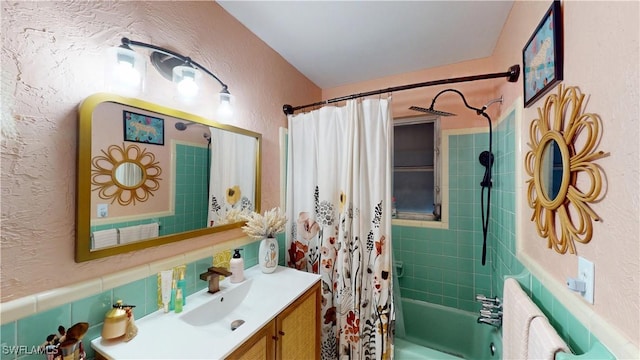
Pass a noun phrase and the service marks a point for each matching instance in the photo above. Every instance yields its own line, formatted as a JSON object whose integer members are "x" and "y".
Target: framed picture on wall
{"x": 542, "y": 56}
{"x": 143, "y": 128}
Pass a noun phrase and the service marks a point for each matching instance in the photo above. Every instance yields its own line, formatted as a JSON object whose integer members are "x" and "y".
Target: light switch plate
{"x": 586, "y": 274}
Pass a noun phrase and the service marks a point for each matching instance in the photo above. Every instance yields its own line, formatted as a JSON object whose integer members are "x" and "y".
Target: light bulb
{"x": 124, "y": 71}
{"x": 186, "y": 79}
{"x": 188, "y": 87}
{"x": 127, "y": 74}
{"x": 225, "y": 110}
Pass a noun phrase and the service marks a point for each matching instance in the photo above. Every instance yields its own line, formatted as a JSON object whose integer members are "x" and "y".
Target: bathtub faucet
{"x": 490, "y": 314}
{"x": 491, "y": 306}
{"x": 495, "y": 322}
{"x": 487, "y": 300}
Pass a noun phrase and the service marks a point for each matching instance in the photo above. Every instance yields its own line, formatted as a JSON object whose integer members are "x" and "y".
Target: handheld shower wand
{"x": 485, "y": 158}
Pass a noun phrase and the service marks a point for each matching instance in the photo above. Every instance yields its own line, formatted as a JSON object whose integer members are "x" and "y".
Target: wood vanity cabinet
{"x": 294, "y": 333}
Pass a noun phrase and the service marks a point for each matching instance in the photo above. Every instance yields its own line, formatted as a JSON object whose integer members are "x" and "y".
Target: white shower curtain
{"x": 338, "y": 206}
{"x": 232, "y": 186}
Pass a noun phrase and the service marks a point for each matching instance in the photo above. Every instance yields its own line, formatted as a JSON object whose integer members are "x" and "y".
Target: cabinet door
{"x": 259, "y": 347}
{"x": 298, "y": 328}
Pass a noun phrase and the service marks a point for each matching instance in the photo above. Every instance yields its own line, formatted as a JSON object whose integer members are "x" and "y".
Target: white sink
{"x": 203, "y": 329}
{"x": 226, "y": 306}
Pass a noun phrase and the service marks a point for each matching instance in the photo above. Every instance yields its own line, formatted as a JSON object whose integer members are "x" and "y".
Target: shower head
{"x": 180, "y": 126}
{"x": 431, "y": 111}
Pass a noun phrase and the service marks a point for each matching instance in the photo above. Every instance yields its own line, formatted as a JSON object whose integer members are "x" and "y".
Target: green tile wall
{"x": 30, "y": 332}
{"x": 190, "y": 199}
{"x": 502, "y": 227}
{"x": 443, "y": 266}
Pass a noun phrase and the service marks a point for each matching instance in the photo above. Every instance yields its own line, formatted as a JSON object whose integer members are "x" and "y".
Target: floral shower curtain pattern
{"x": 231, "y": 190}
{"x": 338, "y": 206}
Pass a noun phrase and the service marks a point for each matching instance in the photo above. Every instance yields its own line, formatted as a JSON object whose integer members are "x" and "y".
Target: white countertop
{"x": 167, "y": 336}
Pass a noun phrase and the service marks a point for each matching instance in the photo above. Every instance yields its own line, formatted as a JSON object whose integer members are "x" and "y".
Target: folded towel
{"x": 104, "y": 238}
{"x": 129, "y": 234}
{"x": 149, "y": 231}
{"x": 544, "y": 341}
{"x": 518, "y": 311}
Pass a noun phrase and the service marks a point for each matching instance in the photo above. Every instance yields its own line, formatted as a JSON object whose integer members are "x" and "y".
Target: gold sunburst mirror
{"x": 564, "y": 179}
{"x": 126, "y": 174}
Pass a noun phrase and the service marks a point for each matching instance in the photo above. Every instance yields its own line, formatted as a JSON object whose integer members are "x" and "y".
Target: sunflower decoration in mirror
{"x": 564, "y": 179}
{"x": 126, "y": 174}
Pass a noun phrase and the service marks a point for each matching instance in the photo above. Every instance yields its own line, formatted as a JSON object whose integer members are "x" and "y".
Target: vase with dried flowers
{"x": 266, "y": 227}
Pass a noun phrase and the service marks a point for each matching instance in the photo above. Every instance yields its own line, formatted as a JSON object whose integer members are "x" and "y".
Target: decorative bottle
{"x": 172, "y": 302}
{"x": 179, "y": 301}
{"x": 268, "y": 255}
{"x": 182, "y": 285}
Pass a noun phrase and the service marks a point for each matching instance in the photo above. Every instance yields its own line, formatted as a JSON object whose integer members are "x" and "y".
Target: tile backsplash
{"x": 20, "y": 336}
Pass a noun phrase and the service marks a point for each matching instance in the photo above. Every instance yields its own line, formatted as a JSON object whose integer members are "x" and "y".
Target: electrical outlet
{"x": 586, "y": 274}
{"x": 103, "y": 210}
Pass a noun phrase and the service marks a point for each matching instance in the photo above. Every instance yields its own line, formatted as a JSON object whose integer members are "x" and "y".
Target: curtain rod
{"x": 512, "y": 76}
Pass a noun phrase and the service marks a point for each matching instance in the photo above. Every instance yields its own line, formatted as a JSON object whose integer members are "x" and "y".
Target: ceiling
{"x": 335, "y": 43}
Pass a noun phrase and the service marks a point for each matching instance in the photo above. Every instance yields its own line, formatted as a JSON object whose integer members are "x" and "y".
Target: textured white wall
{"x": 52, "y": 58}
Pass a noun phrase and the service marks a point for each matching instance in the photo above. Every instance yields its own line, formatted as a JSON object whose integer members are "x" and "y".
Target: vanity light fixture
{"x": 182, "y": 70}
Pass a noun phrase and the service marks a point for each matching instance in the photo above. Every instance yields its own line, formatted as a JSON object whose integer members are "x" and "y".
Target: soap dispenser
{"x": 237, "y": 267}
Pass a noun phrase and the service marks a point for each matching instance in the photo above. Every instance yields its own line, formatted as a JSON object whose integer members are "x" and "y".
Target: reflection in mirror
{"x": 126, "y": 174}
{"x": 119, "y": 163}
{"x": 551, "y": 170}
{"x": 129, "y": 174}
{"x": 234, "y": 190}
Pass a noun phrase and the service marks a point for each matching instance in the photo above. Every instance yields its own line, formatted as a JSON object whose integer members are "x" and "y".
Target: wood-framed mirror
{"x": 564, "y": 179}
{"x": 149, "y": 175}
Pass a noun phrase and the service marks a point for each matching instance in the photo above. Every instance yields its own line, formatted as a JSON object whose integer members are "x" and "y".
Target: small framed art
{"x": 143, "y": 128}
{"x": 542, "y": 56}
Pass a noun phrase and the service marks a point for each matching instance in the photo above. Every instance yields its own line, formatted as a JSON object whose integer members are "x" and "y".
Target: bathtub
{"x": 438, "y": 332}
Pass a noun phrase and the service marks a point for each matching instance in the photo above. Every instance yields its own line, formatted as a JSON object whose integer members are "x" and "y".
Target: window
{"x": 416, "y": 175}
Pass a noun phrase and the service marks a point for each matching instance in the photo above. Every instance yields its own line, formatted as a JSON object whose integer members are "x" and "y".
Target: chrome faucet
{"x": 495, "y": 322}
{"x": 490, "y": 314}
{"x": 213, "y": 277}
{"x": 491, "y": 307}
{"x": 491, "y": 311}
{"x": 485, "y": 300}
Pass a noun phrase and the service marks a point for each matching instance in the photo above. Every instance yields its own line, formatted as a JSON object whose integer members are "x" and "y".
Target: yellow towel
{"x": 518, "y": 312}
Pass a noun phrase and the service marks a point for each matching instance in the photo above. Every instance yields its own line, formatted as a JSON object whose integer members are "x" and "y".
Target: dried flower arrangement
{"x": 264, "y": 226}
{"x": 233, "y": 216}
